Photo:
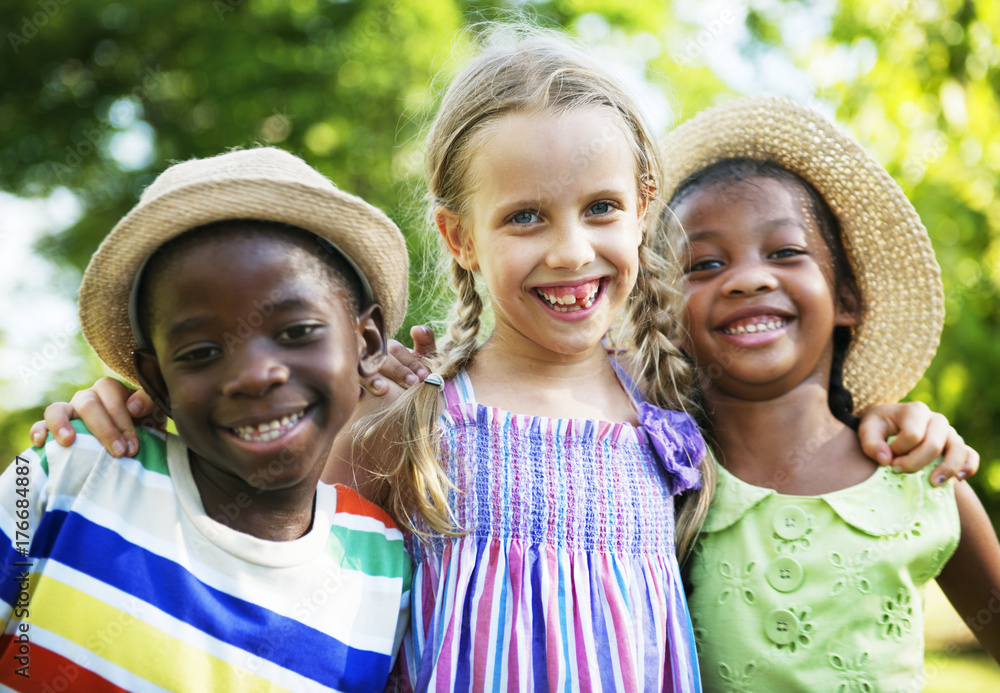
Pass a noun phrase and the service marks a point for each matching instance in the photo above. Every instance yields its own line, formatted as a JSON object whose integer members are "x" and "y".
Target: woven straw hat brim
{"x": 263, "y": 184}
{"x": 889, "y": 248}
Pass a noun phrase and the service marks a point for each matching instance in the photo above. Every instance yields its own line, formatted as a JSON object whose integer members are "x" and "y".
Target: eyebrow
{"x": 197, "y": 322}
{"x": 712, "y": 233}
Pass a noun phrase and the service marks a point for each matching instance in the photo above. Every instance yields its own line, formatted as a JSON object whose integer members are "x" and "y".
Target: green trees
{"x": 97, "y": 98}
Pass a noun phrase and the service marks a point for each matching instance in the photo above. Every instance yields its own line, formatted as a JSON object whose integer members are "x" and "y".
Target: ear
{"x": 459, "y": 243}
{"x": 848, "y": 307}
{"x": 147, "y": 367}
{"x": 371, "y": 341}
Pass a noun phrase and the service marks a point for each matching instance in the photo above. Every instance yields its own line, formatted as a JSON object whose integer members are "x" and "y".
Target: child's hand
{"x": 921, "y": 437}
{"x": 403, "y": 366}
{"x": 108, "y": 409}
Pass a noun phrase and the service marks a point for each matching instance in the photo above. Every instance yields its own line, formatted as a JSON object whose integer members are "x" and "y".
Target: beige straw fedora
{"x": 888, "y": 246}
{"x": 265, "y": 184}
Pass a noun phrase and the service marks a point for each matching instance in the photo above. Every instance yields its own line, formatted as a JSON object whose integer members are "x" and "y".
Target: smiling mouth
{"x": 269, "y": 430}
{"x": 767, "y": 325}
{"x": 568, "y": 299}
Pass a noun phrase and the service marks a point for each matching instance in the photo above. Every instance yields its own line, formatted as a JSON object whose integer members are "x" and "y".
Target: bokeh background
{"x": 96, "y": 98}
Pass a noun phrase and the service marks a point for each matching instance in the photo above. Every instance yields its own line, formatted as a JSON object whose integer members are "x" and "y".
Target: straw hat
{"x": 265, "y": 184}
{"x": 888, "y": 246}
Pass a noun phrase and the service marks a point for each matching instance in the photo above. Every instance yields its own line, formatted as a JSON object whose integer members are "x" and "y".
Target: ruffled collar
{"x": 874, "y": 506}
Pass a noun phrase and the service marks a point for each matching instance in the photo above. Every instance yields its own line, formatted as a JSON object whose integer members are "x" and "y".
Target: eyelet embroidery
{"x": 850, "y": 673}
{"x": 897, "y": 614}
{"x": 852, "y": 572}
{"x": 737, "y": 583}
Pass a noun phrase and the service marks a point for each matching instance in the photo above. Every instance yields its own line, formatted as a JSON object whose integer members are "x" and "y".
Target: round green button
{"x": 781, "y": 626}
{"x": 785, "y": 574}
{"x": 790, "y": 522}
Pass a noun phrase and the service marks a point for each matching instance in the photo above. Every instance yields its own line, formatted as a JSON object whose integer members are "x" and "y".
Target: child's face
{"x": 554, "y": 225}
{"x": 761, "y": 306}
{"x": 257, "y": 356}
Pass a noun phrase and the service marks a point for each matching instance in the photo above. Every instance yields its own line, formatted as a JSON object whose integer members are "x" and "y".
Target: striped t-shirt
{"x": 115, "y": 579}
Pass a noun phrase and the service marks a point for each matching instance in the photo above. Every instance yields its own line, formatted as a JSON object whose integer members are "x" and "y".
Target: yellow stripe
{"x": 123, "y": 639}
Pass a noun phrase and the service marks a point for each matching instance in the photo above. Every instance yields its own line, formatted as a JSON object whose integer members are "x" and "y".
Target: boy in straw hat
{"x": 248, "y": 295}
{"x": 812, "y": 293}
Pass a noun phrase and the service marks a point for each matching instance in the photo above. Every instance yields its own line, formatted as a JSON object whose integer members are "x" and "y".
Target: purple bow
{"x": 677, "y": 442}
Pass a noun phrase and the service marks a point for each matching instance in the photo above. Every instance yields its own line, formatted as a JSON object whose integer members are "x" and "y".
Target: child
{"x": 541, "y": 173}
{"x": 213, "y": 560}
{"x": 809, "y": 570}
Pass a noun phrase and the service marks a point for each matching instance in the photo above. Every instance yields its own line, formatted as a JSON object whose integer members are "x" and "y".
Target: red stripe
{"x": 350, "y": 501}
{"x": 48, "y": 672}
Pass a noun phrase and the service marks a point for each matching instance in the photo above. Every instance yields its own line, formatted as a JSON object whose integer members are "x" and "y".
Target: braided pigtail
{"x": 840, "y": 399}
{"x": 668, "y": 377}
{"x": 406, "y": 437}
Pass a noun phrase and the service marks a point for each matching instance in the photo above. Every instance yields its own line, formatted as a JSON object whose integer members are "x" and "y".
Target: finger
{"x": 89, "y": 407}
{"x": 956, "y": 454}
{"x": 929, "y": 448}
{"x": 412, "y": 359}
{"x": 57, "y": 417}
{"x": 115, "y": 396}
{"x": 424, "y": 342}
{"x": 913, "y": 420}
{"x": 872, "y": 434}
{"x": 971, "y": 465}
{"x": 38, "y": 433}
{"x": 375, "y": 385}
{"x": 140, "y": 404}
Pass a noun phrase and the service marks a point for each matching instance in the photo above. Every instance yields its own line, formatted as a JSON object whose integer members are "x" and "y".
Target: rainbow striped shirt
{"x": 115, "y": 579}
{"x": 568, "y": 579}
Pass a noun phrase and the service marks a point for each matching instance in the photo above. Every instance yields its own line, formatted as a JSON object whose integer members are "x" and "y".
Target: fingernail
{"x": 118, "y": 448}
{"x": 883, "y": 457}
{"x": 939, "y": 479}
{"x": 133, "y": 447}
{"x": 377, "y": 383}
{"x": 896, "y": 468}
{"x": 135, "y": 408}
{"x": 961, "y": 474}
{"x": 411, "y": 379}
{"x": 65, "y": 433}
{"x": 422, "y": 372}
{"x": 37, "y": 440}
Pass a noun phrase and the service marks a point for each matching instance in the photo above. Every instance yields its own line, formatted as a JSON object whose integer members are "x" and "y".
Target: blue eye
{"x": 786, "y": 252}
{"x": 599, "y": 208}
{"x": 524, "y": 217}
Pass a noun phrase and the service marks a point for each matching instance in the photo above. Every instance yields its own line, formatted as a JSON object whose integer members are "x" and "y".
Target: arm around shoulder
{"x": 971, "y": 578}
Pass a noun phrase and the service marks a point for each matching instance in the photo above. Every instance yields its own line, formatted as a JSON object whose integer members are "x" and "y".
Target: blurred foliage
{"x": 348, "y": 85}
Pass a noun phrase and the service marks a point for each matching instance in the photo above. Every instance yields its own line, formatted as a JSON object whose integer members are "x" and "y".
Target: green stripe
{"x": 368, "y": 552}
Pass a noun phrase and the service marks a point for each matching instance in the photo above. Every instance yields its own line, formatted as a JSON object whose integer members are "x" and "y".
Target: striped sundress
{"x": 567, "y": 580}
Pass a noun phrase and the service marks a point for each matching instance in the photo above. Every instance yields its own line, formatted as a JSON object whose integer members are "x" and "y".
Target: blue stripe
{"x": 8, "y": 557}
{"x": 602, "y": 643}
{"x": 99, "y": 552}
{"x": 501, "y": 622}
{"x": 463, "y": 670}
{"x": 538, "y": 650}
{"x": 563, "y": 626}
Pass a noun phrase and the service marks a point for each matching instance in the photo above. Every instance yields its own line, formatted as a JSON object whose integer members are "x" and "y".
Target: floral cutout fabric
{"x": 810, "y": 593}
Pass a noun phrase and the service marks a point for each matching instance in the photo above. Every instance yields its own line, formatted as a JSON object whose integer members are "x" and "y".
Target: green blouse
{"x": 818, "y": 593}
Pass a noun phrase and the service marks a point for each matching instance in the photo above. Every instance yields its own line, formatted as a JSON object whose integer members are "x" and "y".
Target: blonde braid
{"x": 407, "y": 433}
{"x": 667, "y": 376}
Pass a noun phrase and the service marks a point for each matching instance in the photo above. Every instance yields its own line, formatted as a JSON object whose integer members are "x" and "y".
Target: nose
{"x": 254, "y": 371}
{"x": 749, "y": 277}
{"x": 570, "y": 246}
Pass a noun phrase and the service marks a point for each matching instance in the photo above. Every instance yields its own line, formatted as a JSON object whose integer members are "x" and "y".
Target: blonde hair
{"x": 523, "y": 70}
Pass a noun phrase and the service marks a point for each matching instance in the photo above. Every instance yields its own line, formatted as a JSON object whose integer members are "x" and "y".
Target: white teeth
{"x": 569, "y": 302}
{"x": 269, "y": 430}
{"x": 761, "y": 327}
